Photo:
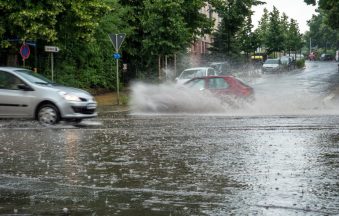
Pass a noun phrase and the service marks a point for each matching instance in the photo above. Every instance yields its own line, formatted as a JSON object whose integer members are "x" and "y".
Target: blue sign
{"x": 116, "y": 56}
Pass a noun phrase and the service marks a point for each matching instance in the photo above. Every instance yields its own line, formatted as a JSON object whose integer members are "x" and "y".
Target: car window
{"x": 34, "y": 77}
{"x": 9, "y": 81}
{"x": 200, "y": 73}
{"x": 211, "y": 72}
{"x": 217, "y": 83}
{"x": 272, "y": 61}
{"x": 189, "y": 74}
{"x": 216, "y": 66}
{"x": 196, "y": 84}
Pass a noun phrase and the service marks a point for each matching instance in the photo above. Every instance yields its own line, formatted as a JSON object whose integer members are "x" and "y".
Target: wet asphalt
{"x": 277, "y": 157}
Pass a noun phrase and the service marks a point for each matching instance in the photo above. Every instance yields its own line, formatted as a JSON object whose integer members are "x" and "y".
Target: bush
{"x": 300, "y": 63}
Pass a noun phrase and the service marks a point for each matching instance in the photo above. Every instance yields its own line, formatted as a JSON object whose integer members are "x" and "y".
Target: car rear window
{"x": 217, "y": 83}
{"x": 196, "y": 84}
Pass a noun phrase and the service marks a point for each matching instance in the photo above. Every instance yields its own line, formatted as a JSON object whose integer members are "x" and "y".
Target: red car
{"x": 222, "y": 86}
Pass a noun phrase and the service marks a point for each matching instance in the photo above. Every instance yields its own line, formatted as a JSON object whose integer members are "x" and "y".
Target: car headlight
{"x": 69, "y": 97}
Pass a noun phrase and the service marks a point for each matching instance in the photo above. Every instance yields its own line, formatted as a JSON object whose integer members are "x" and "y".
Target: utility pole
{"x": 310, "y": 45}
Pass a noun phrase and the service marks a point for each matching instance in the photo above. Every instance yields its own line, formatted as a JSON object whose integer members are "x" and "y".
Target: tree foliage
{"x": 278, "y": 34}
{"x": 320, "y": 34}
{"x": 248, "y": 39}
{"x": 154, "y": 29}
{"x": 275, "y": 37}
{"x": 233, "y": 14}
{"x": 330, "y": 10}
{"x": 161, "y": 27}
{"x": 49, "y": 20}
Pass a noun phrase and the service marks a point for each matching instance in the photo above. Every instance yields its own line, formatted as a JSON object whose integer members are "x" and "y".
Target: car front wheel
{"x": 48, "y": 114}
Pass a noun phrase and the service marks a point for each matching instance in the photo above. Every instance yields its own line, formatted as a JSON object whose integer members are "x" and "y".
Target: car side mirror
{"x": 24, "y": 87}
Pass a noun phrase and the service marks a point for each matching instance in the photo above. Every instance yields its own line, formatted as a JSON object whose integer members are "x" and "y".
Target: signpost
{"x": 52, "y": 49}
{"x": 117, "y": 40}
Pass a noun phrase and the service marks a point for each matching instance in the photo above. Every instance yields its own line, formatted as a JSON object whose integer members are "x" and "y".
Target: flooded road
{"x": 275, "y": 157}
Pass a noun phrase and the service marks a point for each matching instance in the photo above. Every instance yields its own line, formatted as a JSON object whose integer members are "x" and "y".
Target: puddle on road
{"x": 178, "y": 165}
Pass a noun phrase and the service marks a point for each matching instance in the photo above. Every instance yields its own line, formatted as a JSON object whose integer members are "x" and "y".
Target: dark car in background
{"x": 326, "y": 57}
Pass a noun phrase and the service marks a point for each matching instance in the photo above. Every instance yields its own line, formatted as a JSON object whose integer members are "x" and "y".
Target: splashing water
{"x": 171, "y": 98}
{"x": 287, "y": 94}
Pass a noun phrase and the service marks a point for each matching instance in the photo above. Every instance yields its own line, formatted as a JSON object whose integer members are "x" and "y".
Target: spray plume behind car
{"x": 172, "y": 98}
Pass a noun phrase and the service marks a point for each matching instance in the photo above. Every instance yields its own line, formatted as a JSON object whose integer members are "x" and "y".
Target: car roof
{"x": 199, "y": 68}
{"x": 275, "y": 59}
{"x": 214, "y": 63}
{"x": 11, "y": 68}
{"x": 214, "y": 76}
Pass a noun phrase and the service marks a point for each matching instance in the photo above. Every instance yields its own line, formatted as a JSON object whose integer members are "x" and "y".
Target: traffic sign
{"x": 117, "y": 39}
{"x": 25, "y": 51}
{"x": 116, "y": 56}
{"x": 51, "y": 49}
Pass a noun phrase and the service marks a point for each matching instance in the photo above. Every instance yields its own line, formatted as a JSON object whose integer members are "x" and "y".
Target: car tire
{"x": 48, "y": 114}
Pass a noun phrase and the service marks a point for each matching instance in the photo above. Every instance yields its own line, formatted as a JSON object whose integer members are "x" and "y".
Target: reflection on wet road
{"x": 179, "y": 164}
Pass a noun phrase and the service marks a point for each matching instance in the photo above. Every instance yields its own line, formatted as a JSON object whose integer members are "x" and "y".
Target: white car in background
{"x": 272, "y": 65}
{"x": 195, "y": 72}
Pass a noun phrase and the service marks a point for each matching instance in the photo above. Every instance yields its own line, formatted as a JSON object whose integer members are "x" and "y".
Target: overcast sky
{"x": 295, "y": 9}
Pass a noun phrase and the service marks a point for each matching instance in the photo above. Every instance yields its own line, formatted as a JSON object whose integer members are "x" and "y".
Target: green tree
{"x": 330, "y": 10}
{"x": 88, "y": 62}
{"x": 294, "y": 40}
{"x": 275, "y": 37}
{"x": 285, "y": 26}
{"x": 233, "y": 14}
{"x": 49, "y": 20}
{"x": 248, "y": 40}
{"x": 155, "y": 34}
{"x": 165, "y": 31}
{"x": 262, "y": 30}
{"x": 320, "y": 34}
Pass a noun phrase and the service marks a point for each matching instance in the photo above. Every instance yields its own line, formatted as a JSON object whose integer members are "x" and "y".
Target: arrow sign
{"x": 117, "y": 39}
{"x": 51, "y": 49}
{"x": 116, "y": 56}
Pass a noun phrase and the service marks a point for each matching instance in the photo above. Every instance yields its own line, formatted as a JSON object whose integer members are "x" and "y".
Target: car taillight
{"x": 246, "y": 91}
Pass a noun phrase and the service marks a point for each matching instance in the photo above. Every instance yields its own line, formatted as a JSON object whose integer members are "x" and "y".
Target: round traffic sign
{"x": 25, "y": 51}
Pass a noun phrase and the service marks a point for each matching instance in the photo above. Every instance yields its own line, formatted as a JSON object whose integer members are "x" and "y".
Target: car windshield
{"x": 189, "y": 74}
{"x": 34, "y": 77}
{"x": 272, "y": 61}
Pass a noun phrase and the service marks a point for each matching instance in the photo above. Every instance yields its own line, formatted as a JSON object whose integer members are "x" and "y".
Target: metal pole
{"x": 166, "y": 72}
{"x": 310, "y": 45}
{"x": 175, "y": 65}
{"x": 35, "y": 56}
{"x": 117, "y": 51}
{"x": 118, "y": 96}
{"x": 52, "y": 66}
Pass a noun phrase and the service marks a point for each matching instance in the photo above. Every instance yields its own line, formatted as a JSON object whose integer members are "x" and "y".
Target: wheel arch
{"x": 42, "y": 103}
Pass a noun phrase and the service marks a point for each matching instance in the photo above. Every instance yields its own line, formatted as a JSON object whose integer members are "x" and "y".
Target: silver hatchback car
{"x": 26, "y": 94}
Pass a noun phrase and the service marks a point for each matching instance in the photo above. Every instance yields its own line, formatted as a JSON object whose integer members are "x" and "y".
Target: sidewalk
{"x": 108, "y": 103}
